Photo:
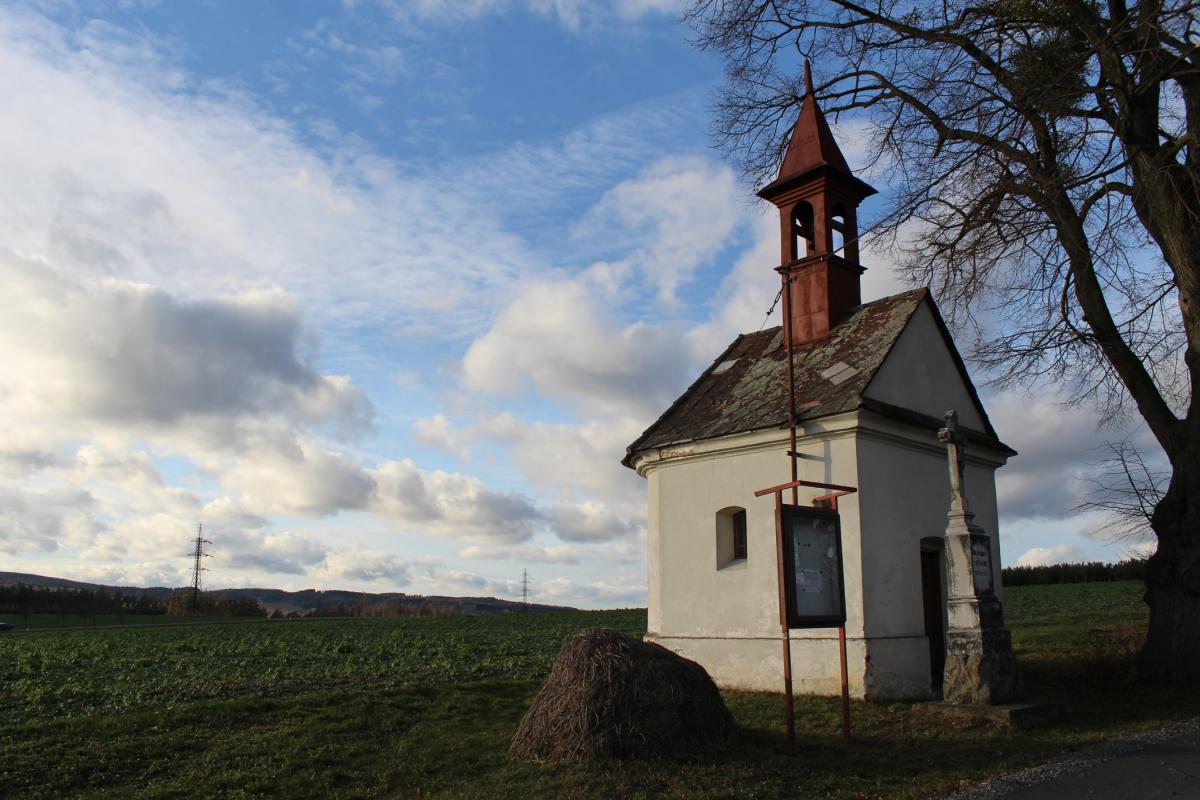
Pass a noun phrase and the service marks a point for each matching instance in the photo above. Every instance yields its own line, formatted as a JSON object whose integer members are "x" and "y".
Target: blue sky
{"x": 379, "y": 291}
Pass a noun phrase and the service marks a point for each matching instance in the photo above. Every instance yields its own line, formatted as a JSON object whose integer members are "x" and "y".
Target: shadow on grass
{"x": 453, "y": 741}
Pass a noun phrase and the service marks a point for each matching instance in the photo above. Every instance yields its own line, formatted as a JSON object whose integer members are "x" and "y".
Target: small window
{"x": 739, "y": 536}
{"x": 731, "y": 536}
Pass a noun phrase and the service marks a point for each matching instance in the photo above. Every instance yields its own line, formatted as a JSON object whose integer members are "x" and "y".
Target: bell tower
{"x": 817, "y": 197}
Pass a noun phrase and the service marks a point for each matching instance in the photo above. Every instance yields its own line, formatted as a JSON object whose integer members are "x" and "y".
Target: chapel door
{"x": 931, "y": 594}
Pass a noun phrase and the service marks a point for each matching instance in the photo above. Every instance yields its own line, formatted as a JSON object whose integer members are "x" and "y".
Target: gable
{"x": 924, "y": 374}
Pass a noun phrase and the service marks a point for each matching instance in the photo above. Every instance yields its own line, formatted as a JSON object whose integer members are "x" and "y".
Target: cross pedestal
{"x": 980, "y": 667}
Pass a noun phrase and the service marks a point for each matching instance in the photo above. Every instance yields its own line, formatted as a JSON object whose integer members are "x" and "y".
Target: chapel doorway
{"x": 934, "y": 611}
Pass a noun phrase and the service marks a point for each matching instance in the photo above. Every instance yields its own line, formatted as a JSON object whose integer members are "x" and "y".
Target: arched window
{"x": 837, "y": 225}
{"x": 802, "y": 230}
{"x": 731, "y": 536}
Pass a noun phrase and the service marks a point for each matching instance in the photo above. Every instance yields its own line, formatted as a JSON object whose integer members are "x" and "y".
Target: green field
{"x": 59, "y": 674}
{"x": 425, "y": 708}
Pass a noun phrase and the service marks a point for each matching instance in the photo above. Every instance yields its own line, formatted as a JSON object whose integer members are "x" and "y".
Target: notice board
{"x": 815, "y": 596}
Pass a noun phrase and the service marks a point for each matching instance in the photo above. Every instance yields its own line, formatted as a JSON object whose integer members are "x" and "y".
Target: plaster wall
{"x": 905, "y": 497}
{"x": 920, "y": 375}
{"x": 727, "y": 618}
{"x": 689, "y": 595}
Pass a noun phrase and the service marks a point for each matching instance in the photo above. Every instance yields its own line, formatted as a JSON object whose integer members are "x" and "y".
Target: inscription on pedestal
{"x": 981, "y": 565}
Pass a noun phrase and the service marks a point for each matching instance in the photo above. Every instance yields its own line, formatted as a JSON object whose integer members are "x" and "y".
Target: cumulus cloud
{"x": 285, "y": 552}
{"x": 557, "y": 554}
{"x": 128, "y": 355}
{"x": 625, "y": 588}
{"x": 1058, "y": 446}
{"x": 575, "y": 460}
{"x": 369, "y": 566}
{"x": 43, "y": 521}
{"x": 558, "y": 339}
{"x": 589, "y": 521}
{"x": 452, "y": 504}
{"x": 439, "y": 432}
{"x": 1055, "y": 554}
{"x": 305, "y": 479}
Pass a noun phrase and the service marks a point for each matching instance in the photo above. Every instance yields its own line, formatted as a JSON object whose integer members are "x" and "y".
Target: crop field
{"x": 426, "y": 707}
{"x": 46, "y": 674}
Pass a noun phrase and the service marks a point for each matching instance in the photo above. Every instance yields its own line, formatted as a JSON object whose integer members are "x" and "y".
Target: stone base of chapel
{"x": 755, "y": 663}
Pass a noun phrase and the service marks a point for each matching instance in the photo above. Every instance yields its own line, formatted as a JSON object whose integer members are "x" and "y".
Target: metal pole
{"x": 783, "y": 624}
{"x": 845, "y": 683}
{"x": 196, "y": 567}
{"x": 793, "y": 455}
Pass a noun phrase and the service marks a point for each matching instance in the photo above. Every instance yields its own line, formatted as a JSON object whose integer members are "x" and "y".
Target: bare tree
{"x": 1127, "y": 490}
{"x": 1046, "y": 180}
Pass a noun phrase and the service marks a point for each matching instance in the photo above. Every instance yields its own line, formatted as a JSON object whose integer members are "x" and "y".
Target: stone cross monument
{"x": 980, "y": 667}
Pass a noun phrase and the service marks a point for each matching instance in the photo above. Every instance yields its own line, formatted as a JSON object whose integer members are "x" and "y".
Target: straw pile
{"x": 610, "y": 696}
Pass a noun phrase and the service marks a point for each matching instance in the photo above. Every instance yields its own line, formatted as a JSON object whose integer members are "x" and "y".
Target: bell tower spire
{"x": 817, "y": 196}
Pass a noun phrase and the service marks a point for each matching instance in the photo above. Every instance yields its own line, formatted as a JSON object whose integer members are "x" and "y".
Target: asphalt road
{"x": 1148, "y": 766}
{"x": 1168, "y": 769}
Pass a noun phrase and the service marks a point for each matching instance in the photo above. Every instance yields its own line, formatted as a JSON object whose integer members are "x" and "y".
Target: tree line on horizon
{"x": 1089, "y": 572}
{"x": 385, "y": 610}
{"x": 22, "y": 600}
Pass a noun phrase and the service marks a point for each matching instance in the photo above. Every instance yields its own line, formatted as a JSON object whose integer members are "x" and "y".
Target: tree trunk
{"x": 1171, "y": 654}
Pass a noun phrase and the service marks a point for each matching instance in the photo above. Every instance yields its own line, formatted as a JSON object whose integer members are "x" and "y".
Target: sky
{"x": 378, "y": 292}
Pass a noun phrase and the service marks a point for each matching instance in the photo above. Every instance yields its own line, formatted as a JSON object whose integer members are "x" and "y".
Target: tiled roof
{"x": 745, "y": 389}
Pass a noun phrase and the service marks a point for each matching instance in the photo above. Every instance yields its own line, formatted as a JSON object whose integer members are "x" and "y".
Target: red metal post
{"x": 783, "y": 624}
{"x": 793, "y": 456}
{"x": 845, "y": 683}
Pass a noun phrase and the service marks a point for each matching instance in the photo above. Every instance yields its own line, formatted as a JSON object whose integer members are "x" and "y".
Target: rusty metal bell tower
{"x": 818, "y": 198}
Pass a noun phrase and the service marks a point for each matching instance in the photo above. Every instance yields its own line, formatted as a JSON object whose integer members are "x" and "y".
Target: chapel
{"x": 871, "y": 384}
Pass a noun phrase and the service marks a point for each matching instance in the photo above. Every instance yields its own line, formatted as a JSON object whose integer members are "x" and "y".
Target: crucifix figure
{"x": 955, "y": 441}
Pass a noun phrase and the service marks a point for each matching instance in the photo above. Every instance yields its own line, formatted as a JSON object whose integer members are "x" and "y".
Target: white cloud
{"x": 120, "y": 354}
{"x": 622, "y": 589}
{"x": 556, "y": 554}
{"x": 674, "y": 217}
{"x": 452, "y": 504}
{"x": 1055, "y": 554}
{"x": 589, "y": 522}
{"x": 186, "y": 185}
{"x": 571, "y": 14}
{"x": 575, "y": 460}
{"x": 43, "y": 521}
{"x": 301, "y": 478}
{"x": 557, "y": 338}
{"x": 1058, "y": 448}
{"x": 440, "y": 433}
{"x": 368, "y": 566}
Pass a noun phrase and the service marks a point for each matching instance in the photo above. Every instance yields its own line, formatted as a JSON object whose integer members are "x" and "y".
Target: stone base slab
{"x": 1028, "y": 714}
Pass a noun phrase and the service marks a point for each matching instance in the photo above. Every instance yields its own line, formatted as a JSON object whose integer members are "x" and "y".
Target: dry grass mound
{"x": 610, "y": 696}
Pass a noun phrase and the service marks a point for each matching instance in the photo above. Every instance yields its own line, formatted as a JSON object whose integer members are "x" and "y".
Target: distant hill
{"x": 301, "y": 601}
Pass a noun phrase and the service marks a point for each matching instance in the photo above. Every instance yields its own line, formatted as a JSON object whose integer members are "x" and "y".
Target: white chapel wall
{"x": 905, "y": 498}
{"x": 695, "y": 597}
{"x": 920, "y": 375}
{"x": 906, "y": 495}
